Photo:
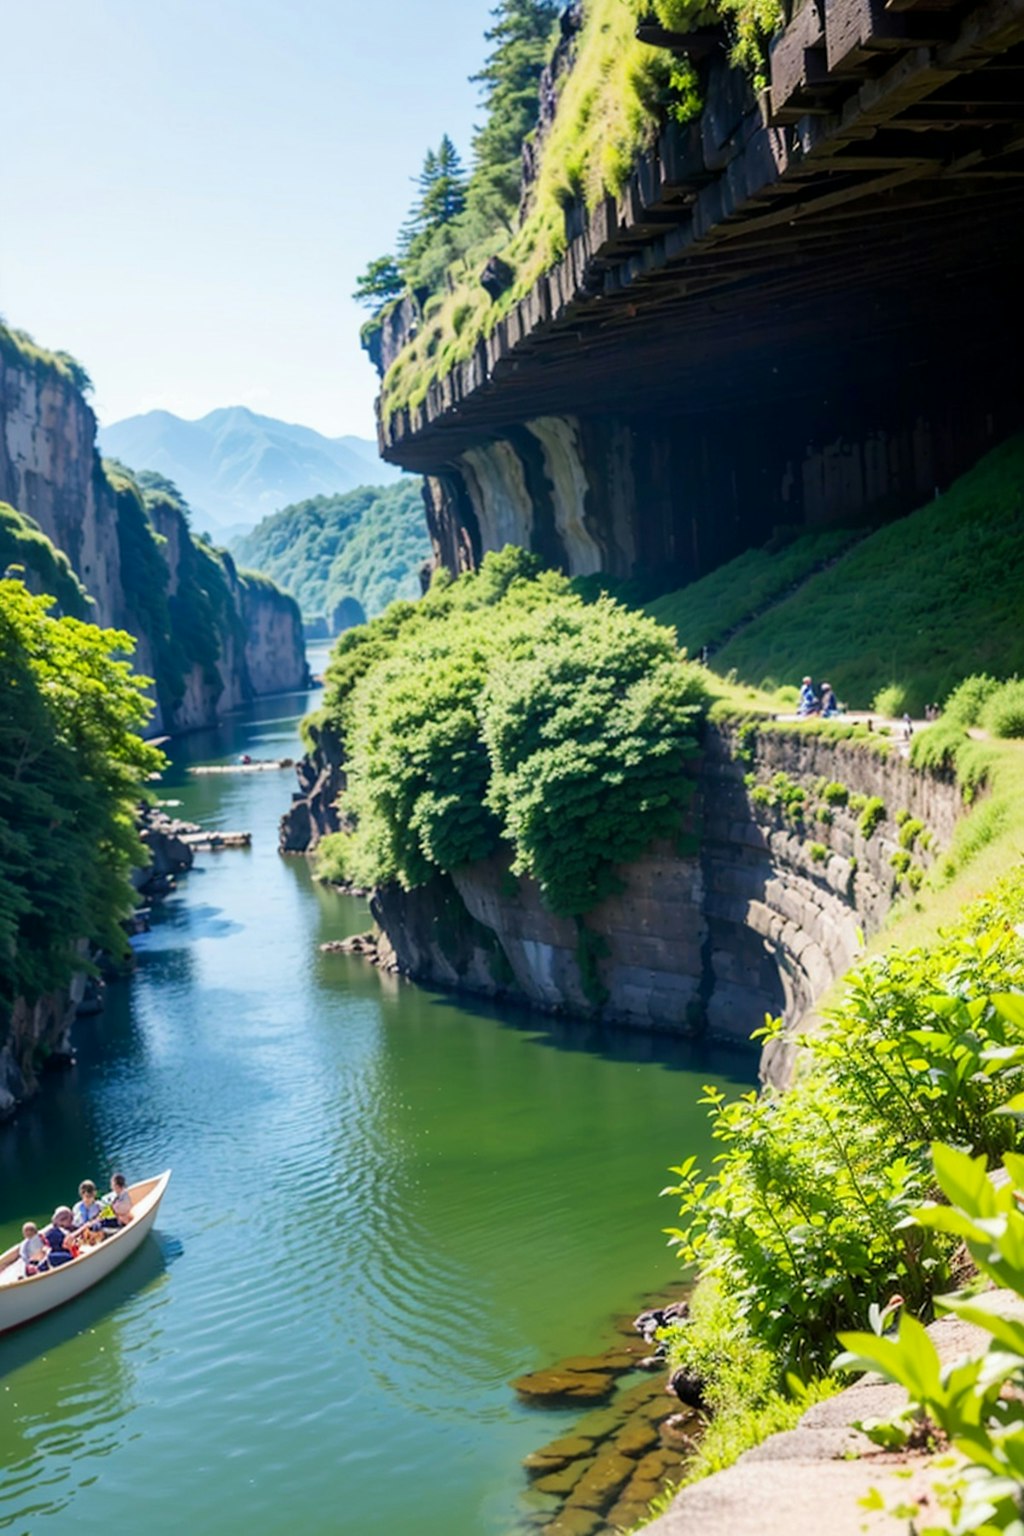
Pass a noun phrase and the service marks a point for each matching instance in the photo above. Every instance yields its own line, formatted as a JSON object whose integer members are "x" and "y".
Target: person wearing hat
{"x": 808, "y": 699}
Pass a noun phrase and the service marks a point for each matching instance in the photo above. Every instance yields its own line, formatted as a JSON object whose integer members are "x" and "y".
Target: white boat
{"x": 23, "y": 1297}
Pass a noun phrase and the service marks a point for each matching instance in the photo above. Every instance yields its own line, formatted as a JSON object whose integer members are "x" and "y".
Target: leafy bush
{"x": 503, "y": 708}
{"x": 871, "y": 816}
{"x": 804, "y": 1214}
{"x": 835, "y": 793}
{"x": 977, "y": 1402}
{"x": 818, "y": 852}
{"x": 1004, "y": 711}
{"x": 72, "y": 766}
{"x": 892, "y": 700}
{"x": 967, "y": 701}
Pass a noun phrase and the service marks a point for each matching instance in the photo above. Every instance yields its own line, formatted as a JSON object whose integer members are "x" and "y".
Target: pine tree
{"x": 426, "y": 241}
{"x": 520, "y": 42}
{"x": 379, "y": 284}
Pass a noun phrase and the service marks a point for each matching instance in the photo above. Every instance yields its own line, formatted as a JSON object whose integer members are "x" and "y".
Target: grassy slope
{"x": 922, "y": 602}
{"x": 706, "y": 612}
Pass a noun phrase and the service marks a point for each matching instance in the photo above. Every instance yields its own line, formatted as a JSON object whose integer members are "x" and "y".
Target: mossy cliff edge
{"x": 755, "y": 327}
{"x": 211, "y": 637}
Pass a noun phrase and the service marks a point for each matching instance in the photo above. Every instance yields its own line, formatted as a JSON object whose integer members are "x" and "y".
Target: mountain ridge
{"x": 235, "y": 466}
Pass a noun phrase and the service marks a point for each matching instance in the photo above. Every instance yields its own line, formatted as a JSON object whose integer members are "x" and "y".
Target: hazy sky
{"x": 188, "y": 188}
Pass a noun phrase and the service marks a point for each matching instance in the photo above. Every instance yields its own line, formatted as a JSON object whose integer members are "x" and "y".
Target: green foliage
{"x": 892, "y": 700}
{"x": 804, "y": 1214}
{"x": 502, "y": 707}
{"x": 427, "y": 242}
{"x": 367, "y": 544}
{"x": 19, "y": 349}
{"x": 520, "y": 39}
{"x": 25, "y": 550}
{"x": 379, "y": 284}
{"x": 72, "y": 767}
{"x": 1004, "y": 711}
{"x": 818, "y": 852}
{"x": 872, "y": 615}
{"x": 871, "y": 816}
{"x": 910, "y": 831}
{"x": 977, "y": 1400}
{"x": 966, "y": 703}
{"x": 591, "y": 949}
{"x": 835, "y": 793}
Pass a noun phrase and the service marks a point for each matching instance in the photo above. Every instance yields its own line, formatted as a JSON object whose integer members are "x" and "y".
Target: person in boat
{"x": 87, "y": 1208}
{"x": 33, "y": 1249}
{"x": 59, "y": 1238}
{"x": 119, "y": 1201}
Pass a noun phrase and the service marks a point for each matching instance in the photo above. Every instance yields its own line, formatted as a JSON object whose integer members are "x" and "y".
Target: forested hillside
{"x": 366, "y": 546}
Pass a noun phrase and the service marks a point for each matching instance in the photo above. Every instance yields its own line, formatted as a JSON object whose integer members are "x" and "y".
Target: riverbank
{"x": 484, "y": 1184}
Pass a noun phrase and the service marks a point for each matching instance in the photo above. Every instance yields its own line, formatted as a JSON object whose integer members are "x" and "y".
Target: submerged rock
{"x": 555, "y": 1384}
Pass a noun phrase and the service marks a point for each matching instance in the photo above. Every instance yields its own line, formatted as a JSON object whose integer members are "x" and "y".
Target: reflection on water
{"x": 385, "y": 1205}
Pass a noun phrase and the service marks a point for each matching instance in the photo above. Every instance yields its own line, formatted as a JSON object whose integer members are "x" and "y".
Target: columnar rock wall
{"x": 49, "y": 469}
{"x": 806, "y": 840}
{"x": 760, "y": 328}
{"x": 673, "y": 496}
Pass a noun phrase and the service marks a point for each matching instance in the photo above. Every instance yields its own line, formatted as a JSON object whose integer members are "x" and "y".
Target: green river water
{"x": 386, "y": 1203}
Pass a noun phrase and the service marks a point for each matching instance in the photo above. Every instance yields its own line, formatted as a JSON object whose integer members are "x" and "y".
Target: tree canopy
{"x": 72, "y": 767}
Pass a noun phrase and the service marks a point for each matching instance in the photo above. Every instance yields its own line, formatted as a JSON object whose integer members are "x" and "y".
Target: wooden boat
{"x": 27, "y": 1297}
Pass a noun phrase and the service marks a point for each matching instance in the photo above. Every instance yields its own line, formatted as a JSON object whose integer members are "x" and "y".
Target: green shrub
{"x": 900, "y": 861}
{"x": 975, "y": 1404}
{"x": 910, "y": 831}
{"x": 1004, "y": 712}
{"x": 803, "y": 1215}
{"x": 871, "y": 816}
{"x": 835, "y": 793}
{"x": 891, "y": 700}
{"x": 966, "y": 703}
{"x": 818, "y": 852}
{"x": 503, "y": 708}
{"x": 72, "y": 769}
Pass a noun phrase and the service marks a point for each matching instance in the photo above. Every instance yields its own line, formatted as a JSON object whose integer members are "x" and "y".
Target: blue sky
{"x": 190, "y": 187}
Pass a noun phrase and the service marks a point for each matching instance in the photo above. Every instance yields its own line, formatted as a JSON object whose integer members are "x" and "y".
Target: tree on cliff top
{"x": 520, "y": 43}
{"x": 426, "y": 241}
{"x": 72, "y": 767}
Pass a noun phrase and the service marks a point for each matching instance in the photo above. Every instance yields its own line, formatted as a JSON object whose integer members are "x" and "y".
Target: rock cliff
{"x": 806, "y": 839}
{"x": 141, "y": 566}
{"x": 758, "y": 329}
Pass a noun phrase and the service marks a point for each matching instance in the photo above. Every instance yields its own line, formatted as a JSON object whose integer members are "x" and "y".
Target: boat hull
{"x": 23, "y": 1300}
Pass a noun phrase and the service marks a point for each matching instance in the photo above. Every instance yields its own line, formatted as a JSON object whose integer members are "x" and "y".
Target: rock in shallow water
{"x": 573, "y": 1386}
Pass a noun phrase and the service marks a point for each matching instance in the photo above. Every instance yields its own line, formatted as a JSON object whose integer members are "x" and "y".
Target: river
{"x": 386, "y": 1203}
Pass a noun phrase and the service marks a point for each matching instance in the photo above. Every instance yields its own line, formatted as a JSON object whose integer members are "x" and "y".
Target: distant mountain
{"x": 235, "y": 467}
{"x": 343, "y": 557}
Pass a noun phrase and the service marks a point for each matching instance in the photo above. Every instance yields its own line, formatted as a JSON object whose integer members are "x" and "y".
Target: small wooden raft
{"x": 215, "y": 840}
{"x": 267, "y": 765}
